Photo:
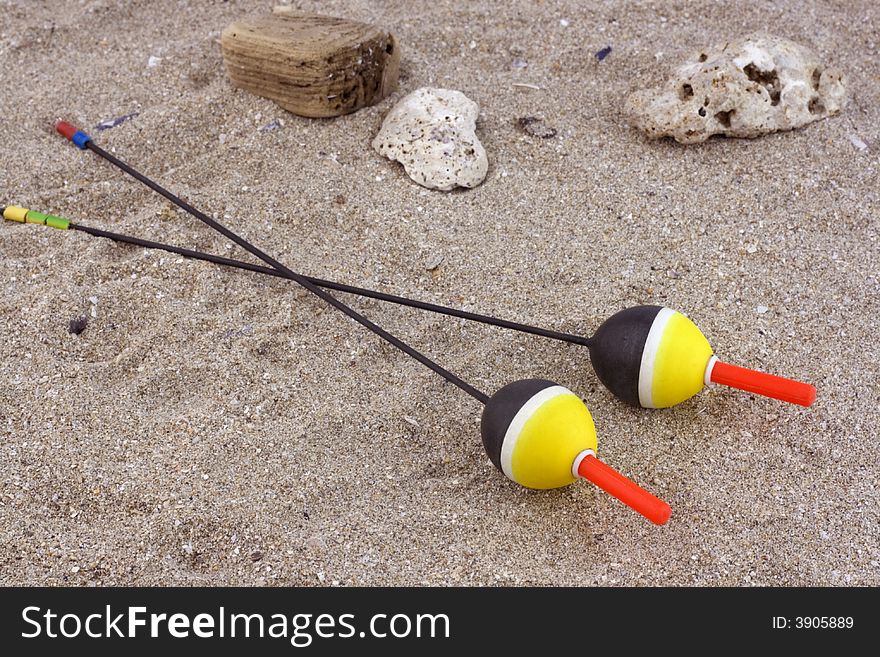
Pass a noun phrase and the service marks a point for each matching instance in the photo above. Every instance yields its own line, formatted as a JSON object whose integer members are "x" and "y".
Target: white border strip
{"x": 707, "y": 377}
{"x": 577, "y": 462}
{"x": 649, "y": 353}
{"x": 519, "y": 421}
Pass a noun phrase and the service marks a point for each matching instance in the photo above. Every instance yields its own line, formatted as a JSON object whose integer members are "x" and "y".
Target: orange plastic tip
{"x": 64, "y": 128}
{"x": 626, "y": 490}
{"x": 764, "y": 384}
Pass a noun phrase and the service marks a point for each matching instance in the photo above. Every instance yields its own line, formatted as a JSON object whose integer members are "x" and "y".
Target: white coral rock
{"x": 432, "y": 132}
{"x": 744, "y": 88}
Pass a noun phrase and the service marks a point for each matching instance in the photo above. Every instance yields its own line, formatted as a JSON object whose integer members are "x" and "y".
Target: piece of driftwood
{"x": 317, "y": 66}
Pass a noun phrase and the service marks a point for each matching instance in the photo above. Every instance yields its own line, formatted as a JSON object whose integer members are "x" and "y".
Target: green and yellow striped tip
{"x": 25, "y": 216}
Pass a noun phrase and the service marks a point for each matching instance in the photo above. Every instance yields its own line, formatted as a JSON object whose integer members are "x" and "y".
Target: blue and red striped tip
{"x": 73, "y": 134}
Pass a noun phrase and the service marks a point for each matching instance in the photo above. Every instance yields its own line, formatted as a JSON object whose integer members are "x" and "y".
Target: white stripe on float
{"x": 519, "y": 421}
{"x": 707, "y": 377}
{"x": 577, "y": 462}
{"x": 649, "y": 353}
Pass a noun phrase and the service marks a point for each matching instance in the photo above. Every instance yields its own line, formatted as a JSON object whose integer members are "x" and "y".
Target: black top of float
{"x": 616, "y": 350}
{"x": 502, "y": 408}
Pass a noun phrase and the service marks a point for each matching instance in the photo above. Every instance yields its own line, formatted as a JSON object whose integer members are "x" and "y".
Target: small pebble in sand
{"x": 744, "y": 88}
{"x": 526, "y": 85}
{"x": 434, "y": 262}
{"x": 535, "y": 126}
{"x": 856, "y": 141}
{"x": 272, "y": 125}
{"x": 77, "y": 325}
{"x": 432, "y": 132}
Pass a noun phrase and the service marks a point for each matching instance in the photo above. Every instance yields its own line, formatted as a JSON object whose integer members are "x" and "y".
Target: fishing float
{"x": 538, "y": 433}
{"x": 648, "y": 356}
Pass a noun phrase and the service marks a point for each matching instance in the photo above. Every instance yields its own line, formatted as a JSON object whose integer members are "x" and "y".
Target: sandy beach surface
{"x": 218, "y": 427}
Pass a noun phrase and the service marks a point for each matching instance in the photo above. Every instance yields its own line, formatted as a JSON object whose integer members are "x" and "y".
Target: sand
{"x": 218, "y": 427}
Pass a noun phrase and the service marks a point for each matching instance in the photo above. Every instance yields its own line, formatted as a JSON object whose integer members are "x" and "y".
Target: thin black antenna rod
{"x": 332, "y": 285}
{"x": 86, "y": 142}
